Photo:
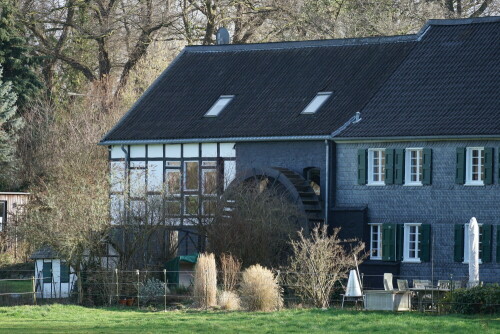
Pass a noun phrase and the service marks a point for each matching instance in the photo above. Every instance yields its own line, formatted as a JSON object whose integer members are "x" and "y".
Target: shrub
{"x": 205, "y": 281}
{"x": 260, "y": 290}
{"x": 480, "y": 299}
{"x": 230, "y": 270}
{"x": 229, "y": 300}
{"x": 318, "y": 262}
{"x": 151, "y": 289}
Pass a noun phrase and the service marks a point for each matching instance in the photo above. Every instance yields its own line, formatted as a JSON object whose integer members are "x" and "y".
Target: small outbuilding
{"x": 54, "y": 278}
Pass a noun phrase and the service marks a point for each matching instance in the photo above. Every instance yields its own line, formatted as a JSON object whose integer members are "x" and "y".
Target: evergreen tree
{"x": 10, "y": 124}
{"x": 15, "y": 58}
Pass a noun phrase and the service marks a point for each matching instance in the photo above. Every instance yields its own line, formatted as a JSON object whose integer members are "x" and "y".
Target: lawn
{"x": 16, "y": 286}
{"x": 75, "y": 319}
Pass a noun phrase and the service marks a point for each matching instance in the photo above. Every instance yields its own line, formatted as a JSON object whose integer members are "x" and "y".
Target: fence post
{"x": 138, "y": 287}
{"x": 33, "y": 285}
{"x": 165, "y": 285}
{"x": 117, "y": 288}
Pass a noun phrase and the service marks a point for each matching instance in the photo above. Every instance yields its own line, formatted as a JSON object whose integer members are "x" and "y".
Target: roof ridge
{"x": 340, "y": 41}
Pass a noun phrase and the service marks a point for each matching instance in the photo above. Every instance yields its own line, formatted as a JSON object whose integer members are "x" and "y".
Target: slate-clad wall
{"x": 441, "y": 204}
{"x": 292, "y": 155}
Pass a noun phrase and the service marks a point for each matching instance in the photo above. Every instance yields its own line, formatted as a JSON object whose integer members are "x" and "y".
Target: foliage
{"x": 230, "y": 271}
{"x": 480, "y": 299}
{"x": 19, "y": 65}
{"x": 205, "y": 281}
{"x": 229, "y": 301}
{"x": 318, "y": 262}
{"x": 258, "y": 226}
{"x": 259, "y": 290}
{"x": 10, "y": 125}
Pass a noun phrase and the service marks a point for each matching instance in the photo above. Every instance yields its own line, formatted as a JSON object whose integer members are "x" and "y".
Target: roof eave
{"x": 212, "y": 140}
{"x": 415, "y": 138}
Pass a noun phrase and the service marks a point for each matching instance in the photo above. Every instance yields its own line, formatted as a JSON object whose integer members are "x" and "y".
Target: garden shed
{"x": 54, "y": 278}
{"x": 180, "y": 270}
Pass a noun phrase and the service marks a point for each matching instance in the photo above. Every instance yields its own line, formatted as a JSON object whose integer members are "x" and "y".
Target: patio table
{"x": 421, "y": 292}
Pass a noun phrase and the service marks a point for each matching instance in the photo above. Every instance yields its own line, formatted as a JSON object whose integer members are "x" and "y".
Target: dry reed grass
{"x": 230, "y": 271}
{"x": 205, "y": 281}
{"x": 229, "y": 300}
{"x": 259, "y": 289}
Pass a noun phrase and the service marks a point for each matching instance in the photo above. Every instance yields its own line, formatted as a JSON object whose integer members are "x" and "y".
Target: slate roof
{"x": 45, "y": 252}
{"x": 449, "y": 85}
{"x": 442, "y": 81}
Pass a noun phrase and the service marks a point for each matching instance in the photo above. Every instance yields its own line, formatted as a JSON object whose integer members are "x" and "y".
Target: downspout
{"x": 327, "y": 180}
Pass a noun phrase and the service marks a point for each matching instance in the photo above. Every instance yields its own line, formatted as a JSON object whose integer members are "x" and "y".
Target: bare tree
{"x": 319, "y": 262}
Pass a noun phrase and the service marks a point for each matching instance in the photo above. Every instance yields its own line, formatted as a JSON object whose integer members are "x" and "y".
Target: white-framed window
{"x": 191, "y": 177}
{"x": 414, "y": 161}
{"x": 411, "y": 246}
{"x": 466, "y": 242}
{"x": 219, "y": 105}
{"x": 316, "y": 103}
{"x": 474, "y": 166}
{"x": 3, "y": 214}
{"x": 376, "y": 166}
{"x": 376, "y": 241}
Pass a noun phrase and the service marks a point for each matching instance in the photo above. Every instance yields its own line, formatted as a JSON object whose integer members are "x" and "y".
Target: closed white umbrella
{"x": 353, "y": 287}
{"x": 473, "y": 252}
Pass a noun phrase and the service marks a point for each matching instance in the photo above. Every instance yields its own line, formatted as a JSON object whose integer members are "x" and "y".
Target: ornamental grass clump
{"x": 259, "y": 290}
{"x": 229, "y": 301}
{"x": 205, "y": 281}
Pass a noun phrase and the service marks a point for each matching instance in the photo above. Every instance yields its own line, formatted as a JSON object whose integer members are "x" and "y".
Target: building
{"x": 394, "y": 139}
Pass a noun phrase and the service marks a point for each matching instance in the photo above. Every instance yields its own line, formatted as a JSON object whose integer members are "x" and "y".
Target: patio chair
{"x": 444, "y": 284}
{"x": 388, "y": 282}
{"x": 403, "y": 285}
{"x": 422, "y": 283}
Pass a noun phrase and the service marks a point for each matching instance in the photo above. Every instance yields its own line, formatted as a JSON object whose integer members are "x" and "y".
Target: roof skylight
{"x": 316, "y": 103}
{"x": 219, "y": 105}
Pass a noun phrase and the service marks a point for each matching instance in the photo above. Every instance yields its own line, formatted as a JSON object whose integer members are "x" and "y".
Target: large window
{"x": 376, "y": 241}
{"x": 474, "y": 166}
{"x": 411, "y": 246}
{"x": 414, "y": 166}
{"x": 3, "y": 214}
{"x": 376, "y": 166}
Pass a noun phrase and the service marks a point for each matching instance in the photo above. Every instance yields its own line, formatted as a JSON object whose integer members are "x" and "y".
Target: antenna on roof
{"x": 222, "y": 36}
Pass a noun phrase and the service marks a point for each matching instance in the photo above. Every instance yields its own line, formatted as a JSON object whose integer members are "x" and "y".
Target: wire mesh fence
{"x": 164, "y": 290}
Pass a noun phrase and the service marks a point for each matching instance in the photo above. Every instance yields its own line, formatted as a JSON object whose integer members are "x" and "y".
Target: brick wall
{"x": 441, "y": 204}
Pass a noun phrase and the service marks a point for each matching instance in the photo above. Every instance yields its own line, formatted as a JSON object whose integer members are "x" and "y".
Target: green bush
{"x": 481, "y": 299}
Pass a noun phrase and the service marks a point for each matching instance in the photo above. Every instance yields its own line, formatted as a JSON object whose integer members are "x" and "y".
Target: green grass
{"x": 17, "y": 286}
{"x": 76, "y": 319}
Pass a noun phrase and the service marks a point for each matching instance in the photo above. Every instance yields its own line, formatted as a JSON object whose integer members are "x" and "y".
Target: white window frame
{"x": 466, "y": 242}
{"x": 406, "y": 243}
{"x": 468, "y": 167}
{"x": 316, "y": 103}
{"x": 371, "y": 153}
{"x": 419, "y": 166}
{"x": 376, "y": 250}
{"x": 219, "y": 105}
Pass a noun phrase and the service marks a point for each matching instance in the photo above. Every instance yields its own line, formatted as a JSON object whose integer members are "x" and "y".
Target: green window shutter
{"x": 425, "y": 242}
{"x": 362, "y": 166}
{"x": 498, "y": 167}
{"x": 459, "y": 243}
{"x": 498, "y": 244}
{"x": 460, "y": 171}
{"x": 399, "y": 166}
{"x": 388, "y": 242}
{"x": 488, "y": 165}
{"x": 64, "y": 273}
{"x": 400, "y": 228}
{"x": 486, "y": 243}
{"x": 389, "y": 166}
{"x": 47, "y": 272}
{"x": 427, "y": 166}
